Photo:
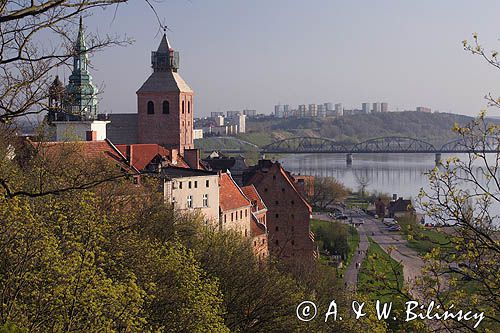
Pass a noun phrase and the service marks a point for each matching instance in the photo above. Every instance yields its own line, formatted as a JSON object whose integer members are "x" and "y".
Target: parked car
{"x": 394, "y": 228}
{"x": 389, "y": 221}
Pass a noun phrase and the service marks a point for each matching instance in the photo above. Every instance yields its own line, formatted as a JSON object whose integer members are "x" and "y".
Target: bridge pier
{"x": 437, "y": 158}
{"x": 348, "y": 159}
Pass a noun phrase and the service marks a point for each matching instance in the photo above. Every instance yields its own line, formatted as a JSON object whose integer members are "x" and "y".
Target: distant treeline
{"x": 431, "y": 127}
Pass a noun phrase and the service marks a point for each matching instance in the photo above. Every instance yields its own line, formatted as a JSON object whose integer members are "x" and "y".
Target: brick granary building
{"x": 288, "y": 212}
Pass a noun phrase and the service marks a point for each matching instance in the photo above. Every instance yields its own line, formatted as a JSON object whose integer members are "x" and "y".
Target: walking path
{"x": 391, "y": 242}
{"x": 351, "y": 273}
{"x": 394, "y": 244}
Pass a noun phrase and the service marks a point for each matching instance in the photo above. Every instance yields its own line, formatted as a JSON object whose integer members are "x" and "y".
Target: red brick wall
{"x": 260, "y": 246}
{"x": 173, "y": 130}
{"x": 287, "y": 217}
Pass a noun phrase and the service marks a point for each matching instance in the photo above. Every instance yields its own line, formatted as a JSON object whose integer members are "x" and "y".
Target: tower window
{"x": 183, "y": 107}
{"x": 205, "y": 200}
{"x": 189, "y": 107}
{"x": 151, "y": 107}
{"x": 166, "y": 107}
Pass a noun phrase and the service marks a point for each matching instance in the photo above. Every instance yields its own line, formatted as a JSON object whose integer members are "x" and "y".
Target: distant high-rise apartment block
{"x": 377, "y": 107}
{"x": 216, "y": 114}
{"x": 278, "y": 111}
{"x": 423, "y": 109}
{"x": 365, "y": 107}
{"x": 321, "y": 110}
{"x": 339, "y": 109}
{"x": 302, "y": 110}
{"x": 220, "y": 120}
{"x": 250, "y": 113}
{"x": 384, "y": 107}
{"x": 231, "y": 114}
{"x": 312, "y": 110}
{"x": 328, "y": 106}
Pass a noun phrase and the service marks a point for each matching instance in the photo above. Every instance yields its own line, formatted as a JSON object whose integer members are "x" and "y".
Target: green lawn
{"x": 258, "y": 138}
{"x": 422, "y": 239}
{"x": 379, "y": 275}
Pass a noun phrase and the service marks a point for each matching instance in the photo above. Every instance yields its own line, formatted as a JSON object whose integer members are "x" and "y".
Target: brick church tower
{"x": 165, "y": 103}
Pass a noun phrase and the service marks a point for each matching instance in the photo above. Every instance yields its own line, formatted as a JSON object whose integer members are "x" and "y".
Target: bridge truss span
{"x": 306, "y": 145}
{"x": 393, "y": 144}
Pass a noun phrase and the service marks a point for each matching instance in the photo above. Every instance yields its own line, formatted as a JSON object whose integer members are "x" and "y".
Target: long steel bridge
{"x": 382, "y": 145}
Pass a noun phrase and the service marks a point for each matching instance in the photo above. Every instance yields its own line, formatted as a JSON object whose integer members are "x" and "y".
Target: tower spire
{"x": 80, "y": 42}
{"x": 165, "y": 58}
{"x": 82, "y": 92}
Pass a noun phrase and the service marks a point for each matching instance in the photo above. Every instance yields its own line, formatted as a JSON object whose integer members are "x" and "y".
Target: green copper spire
{"x": 81, "y": 92}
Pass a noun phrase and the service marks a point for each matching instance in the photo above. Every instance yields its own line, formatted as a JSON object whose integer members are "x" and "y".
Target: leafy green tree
{"x": 328, "y": 191}
{"x": 464, "y": 193}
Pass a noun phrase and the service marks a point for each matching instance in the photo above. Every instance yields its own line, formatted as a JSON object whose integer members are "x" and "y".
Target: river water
{"x": 401, "y": 174}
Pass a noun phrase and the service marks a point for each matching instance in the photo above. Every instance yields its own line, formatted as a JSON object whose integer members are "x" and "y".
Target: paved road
{"x": 409, "y": 258}
{"x": 351, "y": 273}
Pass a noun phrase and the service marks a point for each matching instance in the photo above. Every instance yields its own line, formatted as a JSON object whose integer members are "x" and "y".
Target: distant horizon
{"x": 237, "y": 55}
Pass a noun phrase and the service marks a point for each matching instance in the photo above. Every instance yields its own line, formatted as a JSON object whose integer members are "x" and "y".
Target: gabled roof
{"x": 251, "y": 193}
{"x": 89, "y": 150}
{"x": 167, "y": 81}
{"x": 230, "y": 195}
{"x": 257, "y": 228}
{"x": 143, "y": 154}
{"x": 265, "y": 167}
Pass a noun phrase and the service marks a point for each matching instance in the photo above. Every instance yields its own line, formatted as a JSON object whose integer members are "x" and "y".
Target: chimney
{"x": 174, "y": 155}
{"x": 130, "y": 154}
{"x": 192, "y": 157}
{"x": 91, "y": 136}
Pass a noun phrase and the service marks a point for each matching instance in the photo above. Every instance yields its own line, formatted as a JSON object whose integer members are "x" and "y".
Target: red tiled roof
{"x": 89, "y": 150}
{"x": 230, "y": 195}
{"x": 144, "y": 153}
{"x": 251, "y": 193}
{"x": 257, "y": 228}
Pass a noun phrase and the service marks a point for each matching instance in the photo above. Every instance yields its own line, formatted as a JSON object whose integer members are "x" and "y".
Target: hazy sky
{"x": 239, "y": 54}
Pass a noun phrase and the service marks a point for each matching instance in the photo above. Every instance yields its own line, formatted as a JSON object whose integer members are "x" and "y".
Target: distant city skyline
{"x": 239, "y": 55}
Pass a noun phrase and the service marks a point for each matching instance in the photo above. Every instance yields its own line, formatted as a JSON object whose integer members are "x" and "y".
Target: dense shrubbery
{"x": 115, "y": 258}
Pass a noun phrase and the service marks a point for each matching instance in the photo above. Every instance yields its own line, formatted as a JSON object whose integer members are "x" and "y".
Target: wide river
{"x": 401, "y": 174}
